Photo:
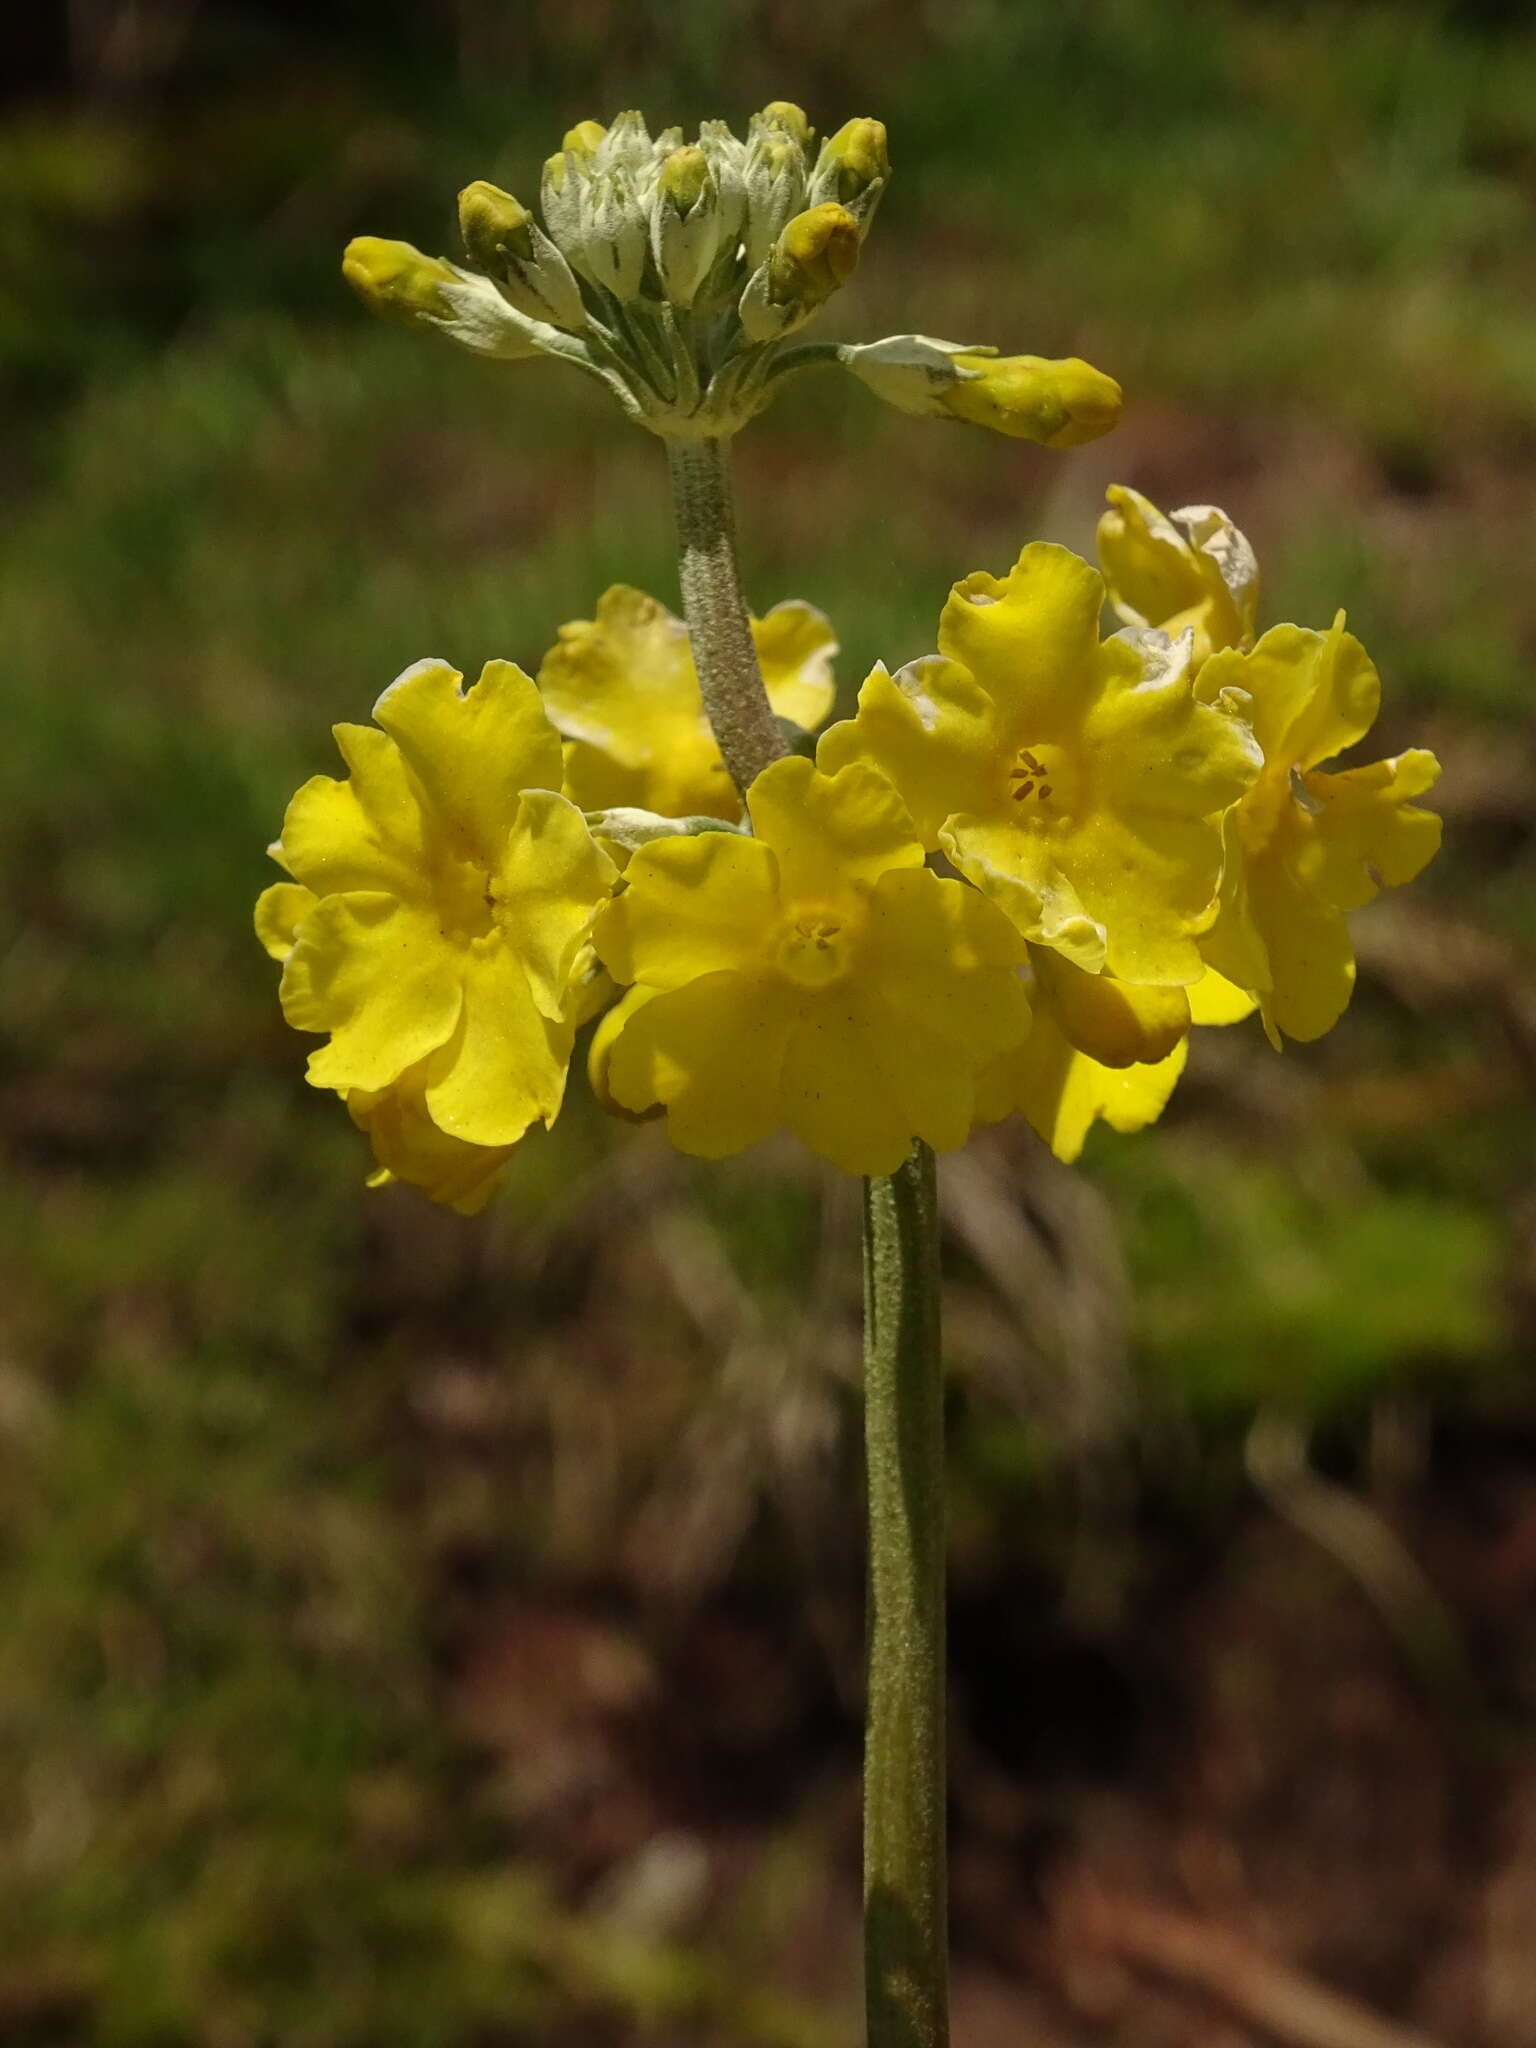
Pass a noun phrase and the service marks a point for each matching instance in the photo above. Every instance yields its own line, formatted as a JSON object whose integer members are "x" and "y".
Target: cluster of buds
{"x": 675, "y": 272}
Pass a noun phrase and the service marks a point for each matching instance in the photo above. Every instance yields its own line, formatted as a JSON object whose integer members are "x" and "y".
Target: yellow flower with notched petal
{"x": 623, "y": 689}
{"x": 1192, "y": 569}
{"x": 442, "y": 897}
{"x": 1079, "y": 782}
{"x": 815, "y": 975}
{"x": 1063, "y": 1090}
{"x": 1304, "y": 846}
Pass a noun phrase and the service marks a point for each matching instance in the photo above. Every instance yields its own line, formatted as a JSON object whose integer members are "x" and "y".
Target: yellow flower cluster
{"x": 1011, "y": 881}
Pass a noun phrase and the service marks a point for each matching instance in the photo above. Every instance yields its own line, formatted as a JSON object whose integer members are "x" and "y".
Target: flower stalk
{"x": 906, "y": 1969}
{"x": 729, "y": 676}
{"x": 906, "y": 1941}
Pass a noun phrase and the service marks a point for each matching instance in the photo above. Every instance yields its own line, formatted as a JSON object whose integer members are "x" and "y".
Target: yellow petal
{"x": 931, "y": 729}
{"x": 472, "y": 752}
{"x": 623, "y": 682}
{"x": 1281, "y": 930}
{"x": 1116, "y": 1023}
{"x": 1031, "y": 639}
{"x": 1020, "y": 871}
{"x": 364, "y": 833}
{"x": 944, "y": 961}
{"x": 1234, "y": 947}
{"x": 1366, "y": 831}
{"x": 913, "y": 1080}
{"x": 837, "y": 1098}
{"x": 795, "y": 645}
{"x": 376, "y": 974}
{"x": 551, "y": 880}
{"x": 600, "y": 1054}
{"x": 505, "y": 1065}
{"x": 1215, "y": 1000}
{"x": 409, "y": 1147}
{"x": 1307, "y": 943}
{"x": 1204, "y": 577}
{"x": 1150, "y": 881}
{"x": 691, "y": 907}
{"x": 1063, "y": 1093}
{"x": 623, "y": 689}
{"x": 712, "y": 1052}
{"x": 1313, "y": 694}
{"x": 830, "y": 832}
{"x": 1156, "y": 748}
{"x": 279, "y": 912}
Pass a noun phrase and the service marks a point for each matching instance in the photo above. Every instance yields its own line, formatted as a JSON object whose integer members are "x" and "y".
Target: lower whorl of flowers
{"x": 1141, "y": 835}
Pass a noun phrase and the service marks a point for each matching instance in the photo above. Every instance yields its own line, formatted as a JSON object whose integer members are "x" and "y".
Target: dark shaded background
{"x": 436, "y": 1633}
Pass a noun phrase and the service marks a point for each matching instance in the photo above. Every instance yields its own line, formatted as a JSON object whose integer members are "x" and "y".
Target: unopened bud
{"x": 685, "y": 223}
{"x": 627, "y": 146}
{"x": 395, "y": 280}
{"x": 726, "y": 156}
{"x": 614, "y": 235}
{"x": 685, "y": 177}
{"x": 1060, "y": 404}
{"x": 399, "y": 282}
{"x": 775, "y": 192}
{"x": 502, "y": 238}
{"x": 817, "y": 252}
{"x": 582, "y": 140}
{"x": 853, "y": 169}
{"x": 496, "y": 227}
{"x": 790, "y": 119}
{"x": 565, "y": 174}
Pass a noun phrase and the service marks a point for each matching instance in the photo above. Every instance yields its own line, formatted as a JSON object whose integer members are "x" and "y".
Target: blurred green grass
{"x": 235, "y": 509}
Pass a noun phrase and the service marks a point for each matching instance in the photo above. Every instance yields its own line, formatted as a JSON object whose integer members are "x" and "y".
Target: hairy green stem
{"x": 906, "y": 1971}
{"x": 723, "y": 651}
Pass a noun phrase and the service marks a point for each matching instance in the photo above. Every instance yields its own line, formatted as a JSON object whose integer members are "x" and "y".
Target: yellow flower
{"x": 1192, "y": 569}
{"x": 1079, "y": 782}
{"x": 623, "y": 689}
{"x": 816, "y": 975}
{"x": 1063, "y": 1091}
{"x": 442, "y": 895}
{"x": 1305, "y": 846}
{"x": 409, "y": 1147}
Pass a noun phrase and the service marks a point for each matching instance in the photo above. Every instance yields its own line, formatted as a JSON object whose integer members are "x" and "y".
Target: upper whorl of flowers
{"x": 676, "y": 271}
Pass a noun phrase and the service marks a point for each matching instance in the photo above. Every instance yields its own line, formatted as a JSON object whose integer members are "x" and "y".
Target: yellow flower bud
{"x": 502, "y": 238}
{"x": 817, "y": 252}
{"x": 582, "y": 140}
{"x": 853, "y": 168}
{"x": 1060, "y": 404}
{"x": 791, "y": 119}
{"x": 495, "y": 226}
{"x": 396, "y": 280}
{"x": 685, "y": 177}
{"x": 686, "y": 223}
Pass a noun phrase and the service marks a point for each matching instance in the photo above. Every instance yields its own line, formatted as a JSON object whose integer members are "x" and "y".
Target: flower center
{"x": 1042, "y": 783}
{"x": 813, "y": 948}
{"x": 462, "y": 896}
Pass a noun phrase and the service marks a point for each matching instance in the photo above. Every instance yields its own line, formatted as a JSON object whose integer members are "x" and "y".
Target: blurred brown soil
{"x": 1251, "y": 1809}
